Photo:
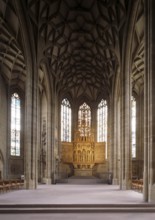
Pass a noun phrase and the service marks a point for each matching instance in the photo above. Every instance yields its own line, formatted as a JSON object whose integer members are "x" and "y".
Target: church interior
{"x": 76, "y": 92}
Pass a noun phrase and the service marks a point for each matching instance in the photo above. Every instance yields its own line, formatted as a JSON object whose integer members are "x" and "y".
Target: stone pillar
{"x": 139, "y": 135}
{"x": 115, "y": 138}
{"x": 30, "y": 129}
{"x": 126, "y": 97}
{"x": 146, "y": 102}
{"x": 49, "y": 144}
{"x": 49, "y": 131}
{"x": 125, "y": 133}
{"x": 110, "y": 137}
{"x": 54, "y": 136}
{"x": 149, "y": 104}
{"x": 94, "y": 120}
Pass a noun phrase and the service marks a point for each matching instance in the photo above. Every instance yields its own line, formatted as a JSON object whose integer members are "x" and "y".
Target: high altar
{"x": 83, "y": 153}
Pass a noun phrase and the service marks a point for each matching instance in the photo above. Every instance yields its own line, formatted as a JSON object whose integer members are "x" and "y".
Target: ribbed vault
{"x": 138, "y": 51}
{"x": 12, "y": 64}
{"x": 81, "y": 41}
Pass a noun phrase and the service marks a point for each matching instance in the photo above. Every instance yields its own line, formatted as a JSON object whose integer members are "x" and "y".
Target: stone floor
{"x": 74, "y": 194}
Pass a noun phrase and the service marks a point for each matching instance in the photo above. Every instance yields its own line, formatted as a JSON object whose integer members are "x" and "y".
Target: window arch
{"x": 15, "y": 124}
{"x": 84, "y": 120}
{"x": 65, "y": 121}
{"x": 133, "y": 126}
{"x": 102, "y": 121}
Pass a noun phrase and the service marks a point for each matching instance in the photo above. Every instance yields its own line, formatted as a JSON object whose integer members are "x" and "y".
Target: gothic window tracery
{"x": 15, "y": 124}
{"x": 102, "y": 121}
{"x": 84, "y": 120}
{"x": 133, "y": 126}
{"x": 65, "y": 121}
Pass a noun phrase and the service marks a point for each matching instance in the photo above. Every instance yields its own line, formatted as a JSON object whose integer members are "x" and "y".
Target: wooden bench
{"x": 7, "y": 185}
{"x": 1, "y": 186}
{"x": 4, "y": 185}
{"x": 20, "y": 183}
{"x": 137, "y": 184}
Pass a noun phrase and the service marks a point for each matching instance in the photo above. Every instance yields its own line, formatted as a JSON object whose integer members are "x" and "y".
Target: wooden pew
{"x": 20, "y": 183}
{"x": 1, "y": 186}
{"x": 137, "y": 184}
{"x": 8, "y": 185}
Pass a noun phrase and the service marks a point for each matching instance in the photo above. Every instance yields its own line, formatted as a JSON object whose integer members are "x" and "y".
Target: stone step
{"x": 83, "y": 180}
{"x": 77, "y": 208}
{"x": 80, "y": 180}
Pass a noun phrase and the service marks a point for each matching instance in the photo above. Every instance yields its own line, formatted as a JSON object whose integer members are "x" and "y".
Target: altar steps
{"x": 83, "y": 180}
{"x": 80, "y": 180}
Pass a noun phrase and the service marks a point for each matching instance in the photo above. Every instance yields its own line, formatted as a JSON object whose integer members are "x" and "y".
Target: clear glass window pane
{"x": 133, "y": 126}
{"x": 65, "y": 121}
{"x": 102, "y": 121}
{"x": 15, "y": 125}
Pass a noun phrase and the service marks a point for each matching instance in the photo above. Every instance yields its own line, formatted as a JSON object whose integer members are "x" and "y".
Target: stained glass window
{"x": 102, "y": 121}
{"x": 15, "y": 124}
{"x": 133, "y": 126}
{"x": 84, "y": 120}
{"x": 65, "y": 121}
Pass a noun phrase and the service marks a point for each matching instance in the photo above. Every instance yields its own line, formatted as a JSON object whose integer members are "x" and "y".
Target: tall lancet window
{"x": 133, "y": 126}
{"x": 102, "y": 121}
{"x": 15, "y": 124}
{"x": 65, "y": 121}
{"x": 84, "y": 120}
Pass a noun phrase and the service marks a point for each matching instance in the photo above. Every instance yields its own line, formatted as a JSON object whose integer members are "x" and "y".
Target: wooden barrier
{"x": 8, "y": 185}
{"x": 137, "y": 184}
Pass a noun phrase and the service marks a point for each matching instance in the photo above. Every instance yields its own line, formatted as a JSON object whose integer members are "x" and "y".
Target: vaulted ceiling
{"x": 81, "y": 40}
{"x": 12, "y": 64}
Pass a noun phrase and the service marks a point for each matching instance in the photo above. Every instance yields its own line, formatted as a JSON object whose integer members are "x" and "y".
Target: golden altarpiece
{"x": 83, "y": 153}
